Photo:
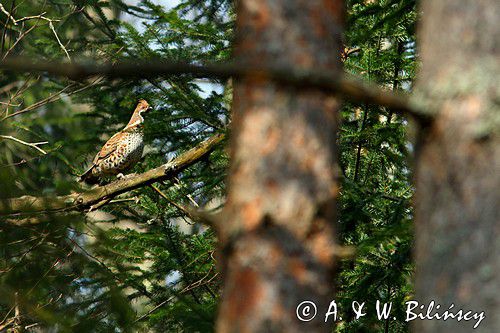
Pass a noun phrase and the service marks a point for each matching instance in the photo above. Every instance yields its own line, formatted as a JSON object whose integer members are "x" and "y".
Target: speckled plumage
{"x": 122, "y": 151}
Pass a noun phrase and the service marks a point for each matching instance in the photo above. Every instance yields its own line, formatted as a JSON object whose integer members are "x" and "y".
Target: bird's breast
{"x": 135, "y": 141}
{"x": 134, "y": 146}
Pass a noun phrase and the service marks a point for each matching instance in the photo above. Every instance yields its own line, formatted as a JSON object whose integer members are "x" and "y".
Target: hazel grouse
{"x": 122, "y": 151}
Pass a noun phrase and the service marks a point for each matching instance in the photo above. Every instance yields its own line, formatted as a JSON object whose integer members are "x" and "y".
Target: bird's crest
{"x": 137, "y": 118}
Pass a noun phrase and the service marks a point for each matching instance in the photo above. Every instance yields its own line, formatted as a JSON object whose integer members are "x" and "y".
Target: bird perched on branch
{"x": 122, "y": 151}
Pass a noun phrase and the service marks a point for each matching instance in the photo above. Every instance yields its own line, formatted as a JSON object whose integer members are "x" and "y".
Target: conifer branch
{"x": 347, "y": 88}
{"x": 84, "y": 200}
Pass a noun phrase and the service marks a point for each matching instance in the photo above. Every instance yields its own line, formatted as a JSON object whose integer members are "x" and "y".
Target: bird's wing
{"x": 109, "y": 147}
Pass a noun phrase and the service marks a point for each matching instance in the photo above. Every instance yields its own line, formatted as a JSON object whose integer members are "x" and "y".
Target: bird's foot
{"x": 121, "y": 176}
{"x": 169, "y": 165}
{"x": 171, "y": 159}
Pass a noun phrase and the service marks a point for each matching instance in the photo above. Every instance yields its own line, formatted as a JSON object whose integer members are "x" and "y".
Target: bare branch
{"x": 27, "y": 18}
{"x": 348, "y": 88}
{"x": 351, "y": 51}
{"x": 9, "y": 104}
{"x": 193, "y": 212}
{"x": 18, "y": 40}
{"x": 38, "y": 17}
{"x": 191, "y": 286}
{"x": 346, "y": 52}
{"x": 52, "y": 98}
{"x": 26, "y": 84}
{"x": 177, "y": 184}
{"x": 29, "y": 144}
{"x": 3, "y": 10}
{"x": 210, "y": 219}
{"x": 9, "y": 87}
{"x": 51, "y": 25}
{"x": 82, "y": 201}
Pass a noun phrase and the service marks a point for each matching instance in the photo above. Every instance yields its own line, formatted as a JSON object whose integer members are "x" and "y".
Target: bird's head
{"x": 142, "y": 107}
{"x": 137, "y": 117}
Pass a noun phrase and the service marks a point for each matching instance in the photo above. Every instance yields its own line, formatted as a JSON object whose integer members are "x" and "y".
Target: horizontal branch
{"x": 349, "y": 89}
{"x": 84, "y": 200}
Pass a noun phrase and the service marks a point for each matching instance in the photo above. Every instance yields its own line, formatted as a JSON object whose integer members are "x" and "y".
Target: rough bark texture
{"x": 278, "y": 239}
{"x": 457, "y": 218}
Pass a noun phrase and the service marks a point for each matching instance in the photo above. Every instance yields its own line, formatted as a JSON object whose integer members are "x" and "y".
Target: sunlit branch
{"x": 84, "y": 200}
{"x": 29, "y": 144}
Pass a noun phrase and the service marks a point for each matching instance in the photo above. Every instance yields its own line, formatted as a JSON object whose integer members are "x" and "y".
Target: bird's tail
{"x": 88, "y": 177}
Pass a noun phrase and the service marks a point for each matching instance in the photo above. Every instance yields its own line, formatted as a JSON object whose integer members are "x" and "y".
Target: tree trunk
{"x": 457, "y": 175}
{"x": 278, "y": 238}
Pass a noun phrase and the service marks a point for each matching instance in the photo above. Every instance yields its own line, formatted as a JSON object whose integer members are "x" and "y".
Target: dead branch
{"x": 52, "y": 98}
{"x": 37, "y": 17}
{"x": 9, "y": 87}
{"x": 17, "y": 41}
{"x": 51, "y": 25}
{"x": 348, "y": 88}
{"x": 9, "y": 16}
{"x": 29, "y": 144}
{"x": 84, "y": 200}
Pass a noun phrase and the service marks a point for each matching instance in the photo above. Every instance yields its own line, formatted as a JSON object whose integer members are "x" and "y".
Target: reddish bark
{"x": 278, "y": 239}
{"x": 458, "y": 234}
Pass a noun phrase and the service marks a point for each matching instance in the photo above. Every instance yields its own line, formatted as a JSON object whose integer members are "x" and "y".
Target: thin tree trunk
{"x": 278, "y": 239}
{"x": 457, "y": 175}
{"x": 358, "y": 153}
{"x": 397, "y": 68}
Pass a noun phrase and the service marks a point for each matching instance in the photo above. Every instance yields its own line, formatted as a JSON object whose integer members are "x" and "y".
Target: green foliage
{"x": 140, "y": 264}
{"x": 375, "y": 210}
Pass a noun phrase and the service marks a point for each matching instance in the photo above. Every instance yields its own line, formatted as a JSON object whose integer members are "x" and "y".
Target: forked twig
{"x": 29, "y": 144}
